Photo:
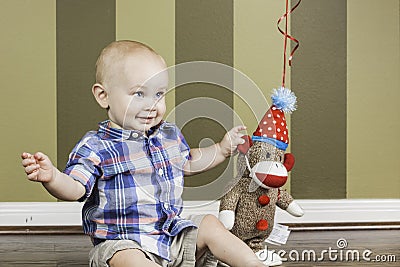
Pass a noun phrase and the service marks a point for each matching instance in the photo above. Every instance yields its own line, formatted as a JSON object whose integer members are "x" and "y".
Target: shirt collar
{"x": 106, "y": 132}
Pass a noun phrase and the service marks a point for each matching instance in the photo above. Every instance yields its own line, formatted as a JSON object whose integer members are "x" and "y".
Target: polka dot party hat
{"x": 272, "y": 127}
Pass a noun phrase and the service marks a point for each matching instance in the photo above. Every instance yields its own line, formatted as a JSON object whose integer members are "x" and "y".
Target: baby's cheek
{"x": 161, "y": 107}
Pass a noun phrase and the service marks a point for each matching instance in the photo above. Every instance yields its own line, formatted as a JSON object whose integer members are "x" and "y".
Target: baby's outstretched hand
{"x": 38, "y": 167}
{"x": 231, "y": 140}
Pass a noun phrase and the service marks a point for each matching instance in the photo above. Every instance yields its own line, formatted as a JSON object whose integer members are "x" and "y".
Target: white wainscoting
{"x": 347, "y": 211}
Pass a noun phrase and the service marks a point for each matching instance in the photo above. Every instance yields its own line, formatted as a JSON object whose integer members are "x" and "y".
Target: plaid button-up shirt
{"x": 133, "y": 184}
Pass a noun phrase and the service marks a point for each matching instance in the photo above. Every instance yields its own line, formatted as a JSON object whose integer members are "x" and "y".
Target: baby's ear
{"x": 100, "y": 94}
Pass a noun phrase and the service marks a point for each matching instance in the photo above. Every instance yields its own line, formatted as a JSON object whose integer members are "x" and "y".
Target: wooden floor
{"x": 72, "y": 250}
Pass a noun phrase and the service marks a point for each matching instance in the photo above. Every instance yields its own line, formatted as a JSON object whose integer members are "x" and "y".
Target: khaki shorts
{"x": 183, "y": 250}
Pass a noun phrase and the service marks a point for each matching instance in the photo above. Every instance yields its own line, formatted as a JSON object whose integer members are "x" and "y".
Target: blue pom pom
{"x": 284, "y": 99}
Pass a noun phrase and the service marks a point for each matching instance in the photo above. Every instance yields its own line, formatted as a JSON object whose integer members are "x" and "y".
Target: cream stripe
{"x": 28, "y": 102}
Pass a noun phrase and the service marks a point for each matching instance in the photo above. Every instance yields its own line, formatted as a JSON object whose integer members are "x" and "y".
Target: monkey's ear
{"x": 243, "y": 148}
{"x": 288, "y": 161}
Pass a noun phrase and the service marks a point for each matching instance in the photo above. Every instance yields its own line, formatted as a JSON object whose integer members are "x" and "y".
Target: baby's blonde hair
{"x": 113, "y": 54}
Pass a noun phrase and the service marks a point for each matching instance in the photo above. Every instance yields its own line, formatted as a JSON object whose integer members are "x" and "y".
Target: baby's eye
{"x": 138, "y": 94}
{"x": 160, "y": 94}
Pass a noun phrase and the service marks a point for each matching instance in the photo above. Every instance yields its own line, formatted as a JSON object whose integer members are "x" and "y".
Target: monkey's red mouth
{"x": 271, "y": 180}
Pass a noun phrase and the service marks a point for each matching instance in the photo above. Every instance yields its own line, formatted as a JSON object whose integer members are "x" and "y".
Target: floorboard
{"x": 24, "y": 250}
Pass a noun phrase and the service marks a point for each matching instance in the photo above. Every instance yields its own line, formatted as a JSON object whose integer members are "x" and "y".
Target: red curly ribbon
{"x": 285, "y": 33}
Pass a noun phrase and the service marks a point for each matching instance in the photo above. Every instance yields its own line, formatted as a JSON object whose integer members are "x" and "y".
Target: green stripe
{"x": 83, "y": 29}
{"x": 204, "y": 32}
{"x": 318, "y": 77}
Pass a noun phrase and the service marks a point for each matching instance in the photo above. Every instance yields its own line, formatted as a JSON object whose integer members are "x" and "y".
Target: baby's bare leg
{"x": 224, "y": 245}
{"x": 131, "y": 258}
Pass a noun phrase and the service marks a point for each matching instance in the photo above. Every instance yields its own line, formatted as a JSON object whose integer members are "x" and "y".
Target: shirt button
{"x": 135, "y": 135}
{"x": 160, "y": 172}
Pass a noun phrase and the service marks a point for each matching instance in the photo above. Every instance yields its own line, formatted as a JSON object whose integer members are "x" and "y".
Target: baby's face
{"x": 137, "y": 97}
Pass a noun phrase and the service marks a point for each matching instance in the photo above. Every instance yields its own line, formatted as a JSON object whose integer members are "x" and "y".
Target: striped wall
{"x": 373, "y": 113}
{"x": 194, "y": 43}
{"x": 319, "y": 76}
{"x": 83, "y": 29}
{"x": 28, "y": 86}
{"x": 346, "y": 79}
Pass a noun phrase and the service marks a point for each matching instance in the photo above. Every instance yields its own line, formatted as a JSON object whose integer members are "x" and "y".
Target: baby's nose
{"x": 150, "y": 104}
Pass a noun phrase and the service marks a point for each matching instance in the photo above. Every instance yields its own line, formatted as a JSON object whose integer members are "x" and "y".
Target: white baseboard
{"x": 316, "y": 212}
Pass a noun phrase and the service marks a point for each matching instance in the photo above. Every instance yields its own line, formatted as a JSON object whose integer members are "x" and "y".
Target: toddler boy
{"x": 130, "y": 173}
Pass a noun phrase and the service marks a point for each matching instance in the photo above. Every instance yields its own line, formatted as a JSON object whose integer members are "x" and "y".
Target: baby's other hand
{"x": 38, "y": 167}
{"x": 231, "y": 140}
